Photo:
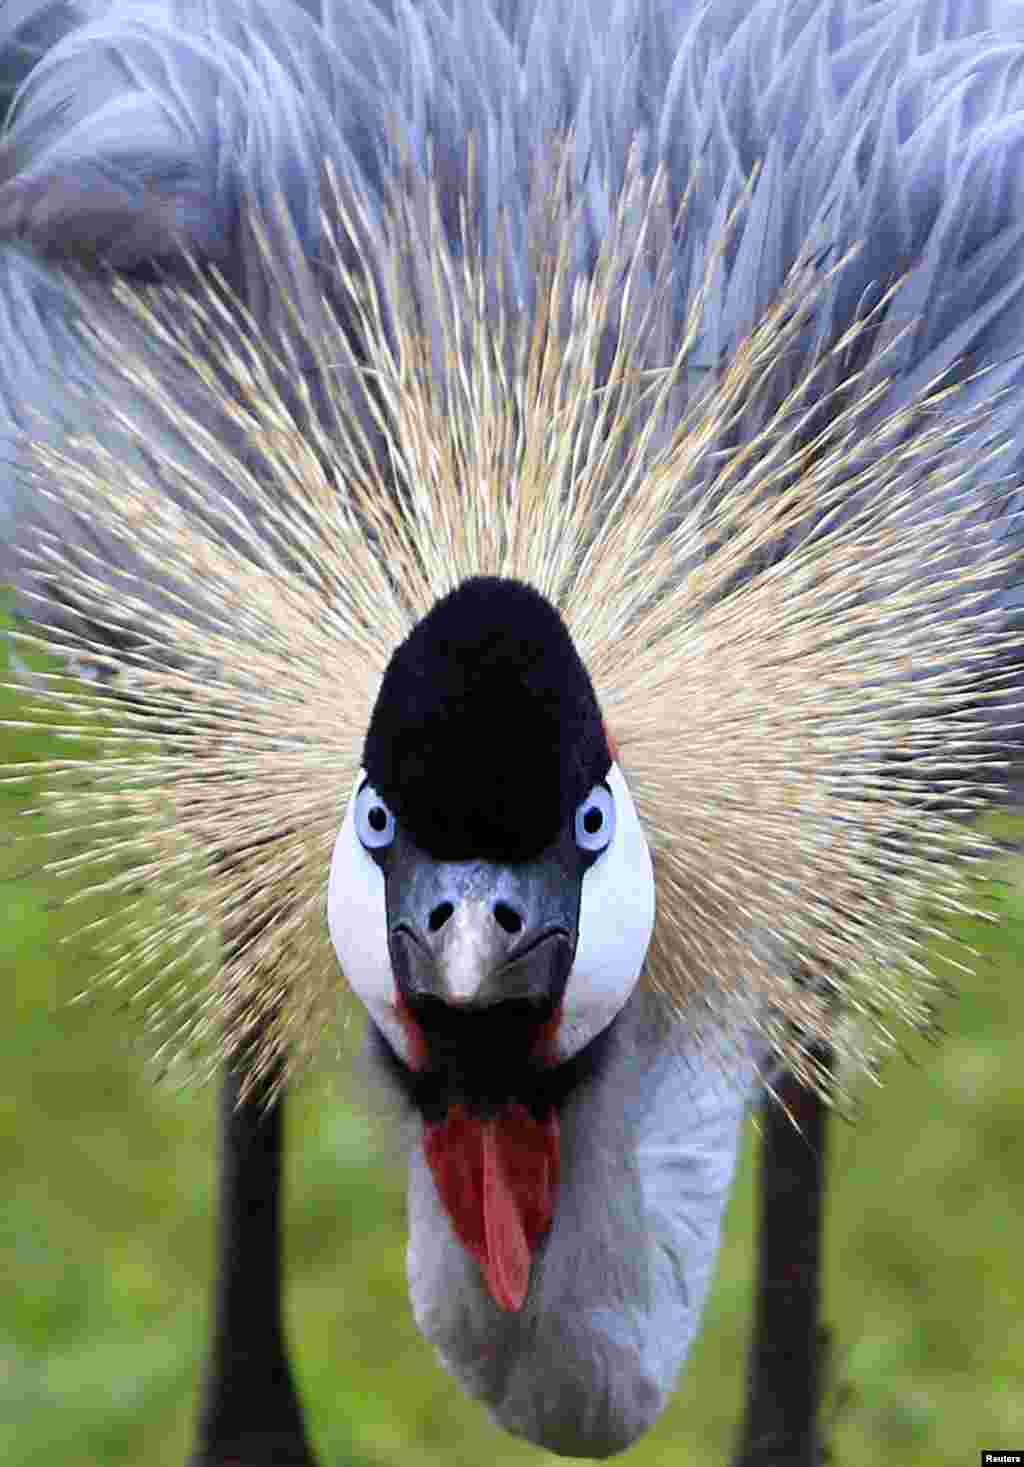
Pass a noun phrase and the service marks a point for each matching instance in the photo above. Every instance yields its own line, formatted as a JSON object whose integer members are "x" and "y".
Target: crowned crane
{"x": 492, "y": 900}
{"x": 544, "y": 474}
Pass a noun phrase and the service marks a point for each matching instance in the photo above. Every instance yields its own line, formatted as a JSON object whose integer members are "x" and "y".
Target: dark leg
{"x": 251, "y": 1416}
{"x": 786, "y": 1358}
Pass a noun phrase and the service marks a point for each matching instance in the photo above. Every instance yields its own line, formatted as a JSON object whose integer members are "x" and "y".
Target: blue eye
{"x": 595, "y": 820}
{"x": 375, "y": 824}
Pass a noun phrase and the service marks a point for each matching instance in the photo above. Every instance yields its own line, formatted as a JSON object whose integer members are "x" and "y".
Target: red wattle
{"x": 507, "y": 1262}
{"x": 419, "y": 1054}
{"x": 498, "y": 1180}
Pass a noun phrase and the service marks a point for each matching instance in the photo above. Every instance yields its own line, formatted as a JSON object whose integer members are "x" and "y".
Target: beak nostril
{"x": 507, "y": 918}
{"x": 439, "y": 916}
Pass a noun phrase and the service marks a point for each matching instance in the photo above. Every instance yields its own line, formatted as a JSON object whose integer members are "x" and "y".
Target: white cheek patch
{"x": 615, "y": 926}
{"x": 357, "y": 918}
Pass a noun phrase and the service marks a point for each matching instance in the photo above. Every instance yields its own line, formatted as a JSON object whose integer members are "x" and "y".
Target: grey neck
{"x": 649, "y": 1145}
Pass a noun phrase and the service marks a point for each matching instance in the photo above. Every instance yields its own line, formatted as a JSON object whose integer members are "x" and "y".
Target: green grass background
{"x": 107, "y": 1216}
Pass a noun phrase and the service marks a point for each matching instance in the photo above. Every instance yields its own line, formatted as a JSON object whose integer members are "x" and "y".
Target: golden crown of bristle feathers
{"x": 753, "y": 676}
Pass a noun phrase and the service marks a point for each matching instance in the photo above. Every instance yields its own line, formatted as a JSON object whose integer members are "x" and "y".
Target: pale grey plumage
{"x": 649, "y": 1151}
{"x": 898, "y": 128}
{"x": 895, "y": 128}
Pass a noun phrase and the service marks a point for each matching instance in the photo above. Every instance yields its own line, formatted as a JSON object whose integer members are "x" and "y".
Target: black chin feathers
{"x": 486, "y": 733}
{"x": 484, "y": 1062}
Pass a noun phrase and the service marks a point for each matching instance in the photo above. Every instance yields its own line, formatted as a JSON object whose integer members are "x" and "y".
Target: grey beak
{"x": 470, "y": 955}
{"x": 473, "y": 934}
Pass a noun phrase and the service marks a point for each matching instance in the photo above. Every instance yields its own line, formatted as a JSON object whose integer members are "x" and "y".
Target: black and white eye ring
{"x": 375, "y": 824}
{"x": 595, "y": 820}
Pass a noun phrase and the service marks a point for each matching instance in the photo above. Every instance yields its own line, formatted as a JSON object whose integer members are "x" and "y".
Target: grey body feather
{"x": 895, "y": 128}
{"x": 143, "y": 131}
{"x": 649, "y": 1151}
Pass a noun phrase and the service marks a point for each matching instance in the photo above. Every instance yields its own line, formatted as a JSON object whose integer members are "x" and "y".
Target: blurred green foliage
{"x": 107, "y": 1216}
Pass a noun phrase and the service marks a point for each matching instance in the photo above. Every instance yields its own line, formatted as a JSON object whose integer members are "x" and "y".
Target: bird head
{"x": 491, "y": 900}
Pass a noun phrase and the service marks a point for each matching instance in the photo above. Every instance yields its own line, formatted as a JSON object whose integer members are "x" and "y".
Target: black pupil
{"x": 378, "y": 818}
{"x": 593, "y": 820}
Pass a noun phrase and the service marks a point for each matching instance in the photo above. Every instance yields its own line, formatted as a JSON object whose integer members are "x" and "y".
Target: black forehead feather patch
{"x": 486, "y": 733}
